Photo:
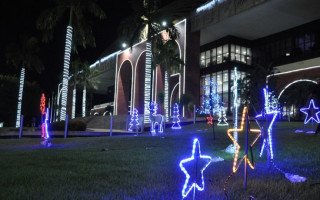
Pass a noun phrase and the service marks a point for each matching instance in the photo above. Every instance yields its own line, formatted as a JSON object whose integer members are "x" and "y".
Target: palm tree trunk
{"x": 74, "y": 102}
{"x": 21, "y": 84}
{"x": 84, "y": 94}
{"x": 147, "y": 83}
{"x": 67, "y": 53}
{"x": 166, "y": 95}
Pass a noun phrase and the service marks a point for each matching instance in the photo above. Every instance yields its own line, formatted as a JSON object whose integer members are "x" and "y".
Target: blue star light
{"x": 193, "y": 163}
{"x": 268, "y": 113}
{"x": 314, "y": 112}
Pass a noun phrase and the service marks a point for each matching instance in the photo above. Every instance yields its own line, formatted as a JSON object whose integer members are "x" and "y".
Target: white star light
{"x": 189, "y": 185}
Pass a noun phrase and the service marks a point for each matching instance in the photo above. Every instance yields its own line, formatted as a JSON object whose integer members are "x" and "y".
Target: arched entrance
{"x": 139, "y": 83}
{"x": 124, "y": 88}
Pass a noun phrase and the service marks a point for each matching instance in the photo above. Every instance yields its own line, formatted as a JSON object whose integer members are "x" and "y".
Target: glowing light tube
{"x": 66, "y": 63}
{"x": 21, "y": 85}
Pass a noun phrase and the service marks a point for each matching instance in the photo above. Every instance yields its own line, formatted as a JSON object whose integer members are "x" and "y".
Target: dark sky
{"x": 18, "y": 17}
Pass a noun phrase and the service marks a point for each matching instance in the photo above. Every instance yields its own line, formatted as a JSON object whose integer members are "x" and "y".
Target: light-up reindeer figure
{"x": 155, "y": 119}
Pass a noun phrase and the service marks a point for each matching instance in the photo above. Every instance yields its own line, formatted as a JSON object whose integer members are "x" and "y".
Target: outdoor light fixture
{"x": 164, "y": 23}
{"x": 196, "y": 156}
{"x": 258, "y": 131}
{"x": 124, "y": 45}
{"x": 313, "y": 115}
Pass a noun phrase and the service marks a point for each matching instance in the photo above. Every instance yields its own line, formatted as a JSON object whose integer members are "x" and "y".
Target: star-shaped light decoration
{"x": 311, "y": 113}
{"x": 209, "y": 119}
{"x": 258, "y": 131}
{"x": 269, "y": 112}
{"x": 194, "y": 167}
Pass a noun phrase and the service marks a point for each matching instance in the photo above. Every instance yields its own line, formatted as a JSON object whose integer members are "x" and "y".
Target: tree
{"x": 76, "y": 68}
{"x": 176, "y": 119}
{"x": 134, "y": 120}
{"x": 87, "y": 79}
{"x": 77, "y": 25}
{"x": 145, "y": 25}
{"x": 24, "y": 55}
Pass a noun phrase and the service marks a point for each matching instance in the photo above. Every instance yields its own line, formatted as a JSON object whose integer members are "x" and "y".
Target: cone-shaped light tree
{"x": 78, "y": 32}
{"x": 24, "y": 55}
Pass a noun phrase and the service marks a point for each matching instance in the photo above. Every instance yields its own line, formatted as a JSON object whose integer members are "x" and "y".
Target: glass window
{"x": 238, "y": 49}
{"x": 219, "y": 81}
{"x": 243, "y": 50}
{"x": 207, "y": 54}
{"x": 207, "y": 62}
{"x": 232, "y": 48}
{"x": 214, "y": 52}
{"x": 225, "y": 48}
{"x": 214, "y": 60}
{"x": 225, "y": 76}
{"x": 219, "y": 59}
{"x": 219, "y": 51}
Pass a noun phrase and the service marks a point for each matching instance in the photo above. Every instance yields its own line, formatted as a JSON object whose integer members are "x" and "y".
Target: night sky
{"x": 19, "y": 17}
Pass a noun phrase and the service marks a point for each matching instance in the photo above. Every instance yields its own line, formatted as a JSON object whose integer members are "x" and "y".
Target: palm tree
{"x": 23, "y": 55}
{"x": 76, "y": 68}
{"x": 145, "y": 25}
{"x": 78, "y": 28}
{"x": 167, "y": 56}
{"x": 87, "y": 79}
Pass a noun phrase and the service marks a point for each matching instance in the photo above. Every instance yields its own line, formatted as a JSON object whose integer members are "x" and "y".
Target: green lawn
{"x": 146, "y": 167}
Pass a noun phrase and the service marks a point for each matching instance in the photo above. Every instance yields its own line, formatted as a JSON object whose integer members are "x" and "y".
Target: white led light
{"x": 66, "y": 64}
{"x": 73, "y": 114}
{"x": 84, "y": 94}
{"x": 235, "y": 104}
{"x": 147, "y": 83}
{"x": 166, "y": 94}
{"x": 21, "y": 85}
{"x": 301, "y": 80}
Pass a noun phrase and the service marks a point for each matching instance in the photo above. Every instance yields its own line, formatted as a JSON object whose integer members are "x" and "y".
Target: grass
{"x": 146, "y": 167}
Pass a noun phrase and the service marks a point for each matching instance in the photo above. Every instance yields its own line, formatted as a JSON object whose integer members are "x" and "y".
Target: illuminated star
{"x": 314, "y": 112}
{"x": 235, "y": 166}
{"x": 195, "y": 164}
{"x": 268, "y": 113}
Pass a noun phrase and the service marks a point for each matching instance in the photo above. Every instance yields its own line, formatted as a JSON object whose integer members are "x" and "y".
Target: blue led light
{"x": 176, "y": 119}
{"x": 314, "y": 115}
{"x": 193, "y": 184}
{"x": 273, "y": 111}
{"x": 134, "y": 120}
{"x": 46, "y": 134}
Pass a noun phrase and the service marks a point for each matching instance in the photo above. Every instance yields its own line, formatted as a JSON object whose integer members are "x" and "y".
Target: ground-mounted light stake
{"x": 312, "y": 113}
{"x": 176, "y": 119}
{"x": 244, "y": 127}
{"x": 193, "y": 167}
{"x": 134, "y": 121}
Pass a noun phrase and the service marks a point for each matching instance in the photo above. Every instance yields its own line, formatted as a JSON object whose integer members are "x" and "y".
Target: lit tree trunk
{"x": 74, "y": 102}
{"x": 21, "y": 84}
{"x": 66, "y": 64}
{"x": 84, "y": 94}
{"x": 166, "y": 95}
{"x": 147, "y": 83}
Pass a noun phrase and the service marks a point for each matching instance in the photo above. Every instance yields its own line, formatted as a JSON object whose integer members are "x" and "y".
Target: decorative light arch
{"x": 131, "y": 81}
{"x": 296, "y": 81}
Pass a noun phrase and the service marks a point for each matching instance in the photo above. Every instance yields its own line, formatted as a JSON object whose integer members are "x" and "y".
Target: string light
{"x": 207, "y": 6}
{"x": 235, "y": 166}
{"x": 66, "y": 64}
{"x": 147, "y": 82}
{"x": 166, "y": 94}
{"x": 222, "y": 120}
{"x": 73, "y": 114}
{"x": 21, "y": 85}
{"x": 189, "y": 185}
{"x": 84, "y": 94}
{"x": 155, "y": 119}
{"x": 176, "y": 119}
{"x": 46, "y": 133}
{"x": 134, "y": 120}
{"x": 235, "y": 103}
{"x": 314, "y": 115}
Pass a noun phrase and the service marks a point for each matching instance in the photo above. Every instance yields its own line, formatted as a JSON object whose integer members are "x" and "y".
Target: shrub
{"x": 72, "y": 126}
